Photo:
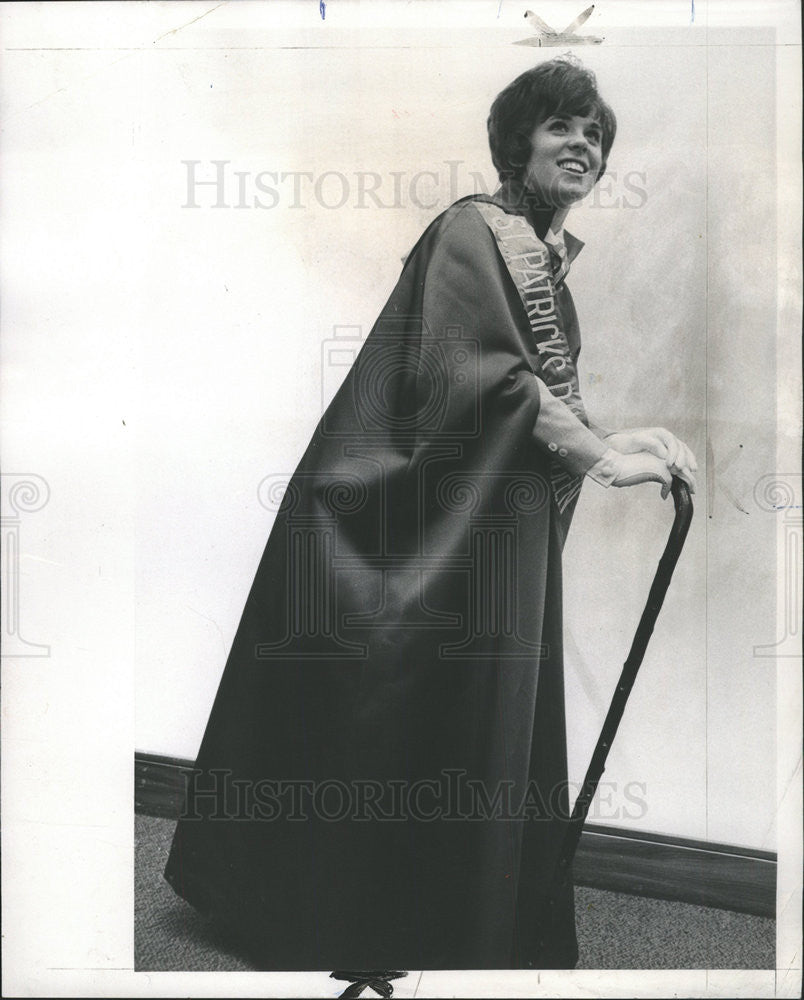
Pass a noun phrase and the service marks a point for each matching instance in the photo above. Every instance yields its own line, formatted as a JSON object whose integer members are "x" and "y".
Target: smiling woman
{"x": 390, "y": 724}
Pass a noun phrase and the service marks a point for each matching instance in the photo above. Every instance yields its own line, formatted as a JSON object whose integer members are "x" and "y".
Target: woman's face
{"x": 565, "y": 159}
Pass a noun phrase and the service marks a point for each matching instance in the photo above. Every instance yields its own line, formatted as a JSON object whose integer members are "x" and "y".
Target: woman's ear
{"x": 518, "y": 150}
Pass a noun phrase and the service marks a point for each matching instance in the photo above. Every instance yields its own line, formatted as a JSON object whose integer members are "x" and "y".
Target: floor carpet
{"x": 615, "y": 931}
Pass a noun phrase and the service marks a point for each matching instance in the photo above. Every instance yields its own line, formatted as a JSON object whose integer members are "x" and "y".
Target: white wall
{"x": 161, "y": 360}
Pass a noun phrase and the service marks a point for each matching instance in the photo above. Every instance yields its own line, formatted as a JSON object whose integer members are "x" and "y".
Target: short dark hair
{"x": 560, "y": 86}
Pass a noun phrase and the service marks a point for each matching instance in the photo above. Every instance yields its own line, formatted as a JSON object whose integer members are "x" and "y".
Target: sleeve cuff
{"x": 604, "y": 471}
{"x": 566, "y": 437}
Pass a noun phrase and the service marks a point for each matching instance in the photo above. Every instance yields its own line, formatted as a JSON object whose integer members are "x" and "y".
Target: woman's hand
{"x": 660, "y": 442}
{"x": 642, "y": 467}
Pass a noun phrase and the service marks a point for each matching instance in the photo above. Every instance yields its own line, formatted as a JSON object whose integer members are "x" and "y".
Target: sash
{"x": 528, "y": 261}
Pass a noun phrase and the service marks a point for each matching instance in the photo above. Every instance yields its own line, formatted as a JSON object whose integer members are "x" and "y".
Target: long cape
{"x": 381, "y": 781}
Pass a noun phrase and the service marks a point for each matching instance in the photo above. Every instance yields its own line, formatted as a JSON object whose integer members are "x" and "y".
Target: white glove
{"x": 659, "y": 442}
{"x": 614, "y": 469}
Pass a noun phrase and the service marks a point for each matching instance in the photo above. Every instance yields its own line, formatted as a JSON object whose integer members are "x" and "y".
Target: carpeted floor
{"x": 615, "y": 931}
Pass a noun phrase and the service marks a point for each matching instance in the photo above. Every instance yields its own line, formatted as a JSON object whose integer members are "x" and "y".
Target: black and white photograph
{"x": 401, "y": 498}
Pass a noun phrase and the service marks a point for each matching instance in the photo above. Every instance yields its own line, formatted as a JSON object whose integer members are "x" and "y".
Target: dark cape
{"x": 383, "y": 774}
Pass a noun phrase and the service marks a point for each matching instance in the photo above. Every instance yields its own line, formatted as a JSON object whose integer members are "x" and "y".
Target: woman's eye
{"x": 559, "y": 126}
{"x": 593, "y": 137}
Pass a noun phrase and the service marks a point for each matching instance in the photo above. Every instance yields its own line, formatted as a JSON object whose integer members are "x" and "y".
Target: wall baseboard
{"x": 643, "y": 864}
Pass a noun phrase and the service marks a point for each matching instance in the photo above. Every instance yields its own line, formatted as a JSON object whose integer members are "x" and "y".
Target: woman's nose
{"x": 578, "y": 140}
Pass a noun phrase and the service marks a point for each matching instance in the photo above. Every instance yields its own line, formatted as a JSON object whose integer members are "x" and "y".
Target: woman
{"x": 383, "y": 776}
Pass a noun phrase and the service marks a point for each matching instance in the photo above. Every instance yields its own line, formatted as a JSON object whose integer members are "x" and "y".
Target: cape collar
{"x": 514, "y": 197}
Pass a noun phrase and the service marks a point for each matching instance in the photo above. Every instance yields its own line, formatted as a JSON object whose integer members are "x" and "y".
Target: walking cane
{"x": 667, "y": 563}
